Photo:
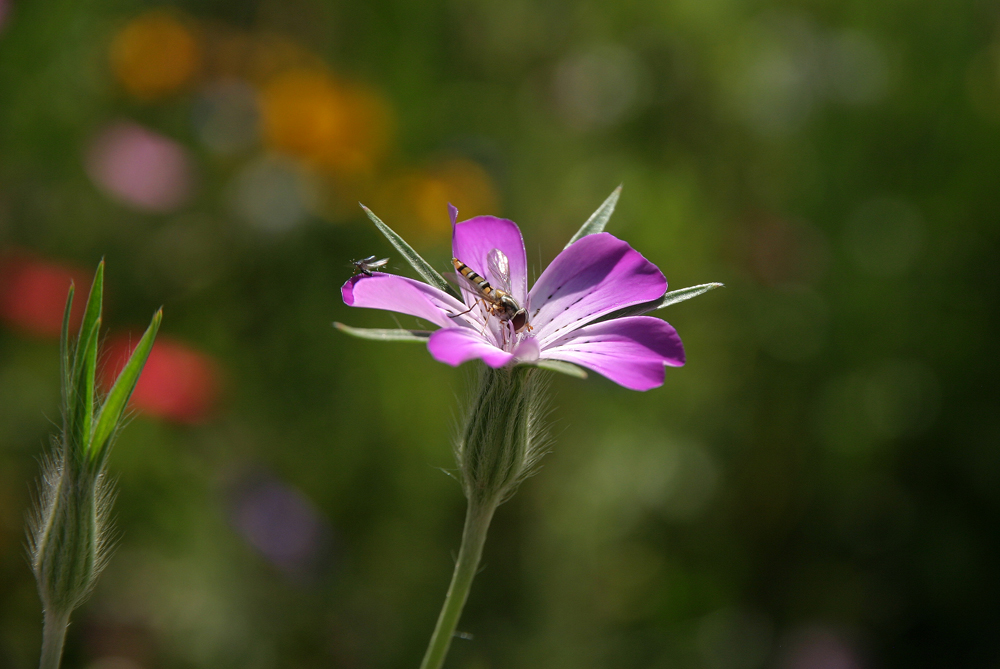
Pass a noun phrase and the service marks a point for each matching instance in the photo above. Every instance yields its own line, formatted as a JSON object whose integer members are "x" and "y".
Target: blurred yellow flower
{"x": 309, "y": 115}
{"x": 155, "y": 55}
{"x": 419, "y": 200}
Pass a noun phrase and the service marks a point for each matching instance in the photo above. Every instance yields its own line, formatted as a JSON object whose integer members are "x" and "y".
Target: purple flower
{"x": 596, "y": 276}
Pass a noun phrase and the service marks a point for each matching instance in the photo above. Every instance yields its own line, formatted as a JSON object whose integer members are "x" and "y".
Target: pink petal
{"x": 595, "y": 276}
{"x": 630, "y": 351}
{"x": 405, "y": 296}
{"x": 473, "y": 239}
{"x": 527, "y": 350}
{"x": 457, "y": 345}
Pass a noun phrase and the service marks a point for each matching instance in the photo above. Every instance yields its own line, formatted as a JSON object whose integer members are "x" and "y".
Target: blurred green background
{"x": 817, "y": 488}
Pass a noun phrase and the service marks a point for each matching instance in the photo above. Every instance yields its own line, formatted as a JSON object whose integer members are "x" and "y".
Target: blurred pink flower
{"x": 140, "y": 168}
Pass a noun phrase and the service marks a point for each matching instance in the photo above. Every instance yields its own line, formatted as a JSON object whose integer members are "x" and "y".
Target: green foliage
{"x": 90, "y": 425}
{"x": 80, "y": 393}
{"x": 424, "y": 269}
{"x": 567, "y": 368}
{"x": 382, "y": 334}
{"x": 69, "y": 532}
{"x": 670, "y": 298}
{"x": 599, "y": 218}
{"x": 109, "y": 417}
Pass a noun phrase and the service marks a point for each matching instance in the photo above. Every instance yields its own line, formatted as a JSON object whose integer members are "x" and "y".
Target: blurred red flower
{"x": 33, "y": 293}
{"x": 178, "y": 383}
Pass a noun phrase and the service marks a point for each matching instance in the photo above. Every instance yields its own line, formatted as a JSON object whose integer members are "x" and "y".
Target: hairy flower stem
{"x": 477, "y": 522}
{"x": 53, "y": 637}
{"x": 500, "y": 443}
{"x": 68, "y": 530}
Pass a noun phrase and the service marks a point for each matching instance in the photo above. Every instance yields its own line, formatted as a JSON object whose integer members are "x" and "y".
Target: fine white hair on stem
{"x": 43, "y": 497}
{"x": 501, "y": 435}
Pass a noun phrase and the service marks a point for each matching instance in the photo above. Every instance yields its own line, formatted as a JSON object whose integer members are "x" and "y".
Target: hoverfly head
{"x": 519, "y": 320}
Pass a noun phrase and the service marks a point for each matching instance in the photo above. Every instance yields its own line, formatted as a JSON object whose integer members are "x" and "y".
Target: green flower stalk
{"x": 69, "y": 533}
{"x": 500, "y": 444}
{"x": 585, "y": 310}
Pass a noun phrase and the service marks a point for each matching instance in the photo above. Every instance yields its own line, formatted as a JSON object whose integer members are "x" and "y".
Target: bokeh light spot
{"x": 273, "y": 194}
{"x": 178, "y": 383}
{"x": 857, "y": 71}
{"x": 982, "y": 82}
{"x": 735, "y": 638}
{"x": 280, "y": 523}
{"x": 817, "y": 648}
{"x": 895, "y": 399}
{"x": 33, "y": 293}
{"x": 226, "y": 117}
{"x": 637, "y": 473}
{"x": 901, "y": 398}
{"x": 309, "y": 115}
{"x": 140, "y": 168}
{"x": 155, "y": 55}
{"x": 885, "y": 236}
{"x": 782, "y": 251}
{"x": 418, "y": 201}
{"x": 792, "y": 323}
{"x": 598, "y": 87}
{"x": 463, "y": 183}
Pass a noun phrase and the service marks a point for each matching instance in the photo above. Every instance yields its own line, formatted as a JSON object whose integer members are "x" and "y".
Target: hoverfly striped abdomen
{"x": 500, "y": 302}
{"x": 478, "y": 281}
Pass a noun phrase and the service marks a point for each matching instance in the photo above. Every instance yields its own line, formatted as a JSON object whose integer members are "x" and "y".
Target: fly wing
{"x": 470, "y": 291}
{"x": 372, "y": 264}
{"x": 499, "y": 269}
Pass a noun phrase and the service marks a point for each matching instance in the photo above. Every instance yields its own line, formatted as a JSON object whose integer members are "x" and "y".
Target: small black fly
{"x": 368, "y": 265}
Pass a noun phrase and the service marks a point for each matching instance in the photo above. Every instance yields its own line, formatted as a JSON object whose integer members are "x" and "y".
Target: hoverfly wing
{"x": 367, "y": 260}
{"x": 371, "y": 263}
{"x": 499, "y": 269}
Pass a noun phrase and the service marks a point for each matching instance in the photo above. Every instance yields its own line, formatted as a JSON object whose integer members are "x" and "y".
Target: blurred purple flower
{"x": 818, "y": 648}
{"x": 281, "y": 523}
{"x": 594, "y": 277}
{"x": 140, "y": 167}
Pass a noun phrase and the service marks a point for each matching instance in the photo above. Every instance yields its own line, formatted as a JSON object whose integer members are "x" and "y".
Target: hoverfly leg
{"x": 474, "y": 305}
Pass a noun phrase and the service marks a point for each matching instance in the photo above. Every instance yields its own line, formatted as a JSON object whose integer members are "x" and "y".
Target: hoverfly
{"x": 498, "y": 300}
{"x": 368, "y": 265}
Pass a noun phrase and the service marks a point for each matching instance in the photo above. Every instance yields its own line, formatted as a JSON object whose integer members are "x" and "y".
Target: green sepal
{"x": 117, "y": 399}
{"x": 81, "y": 395}
{"x": 90, "y": 315}
{"x": 65, "y": 368}
{"x": 86, "y": 383}
{"x": 673, "y": 297}
{"x": 682, "y": 294}
{"x": 567, "y": 368}
{"x": 380, "y": 334}
{"x": 599, "y": 218}
{"x": 424, "y": 268}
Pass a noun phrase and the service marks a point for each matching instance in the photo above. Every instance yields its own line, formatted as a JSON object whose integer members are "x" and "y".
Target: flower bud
{"x": 68, "y": 533}
{"x": 502, "y": 438}
{"x": 69, "y": 540}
